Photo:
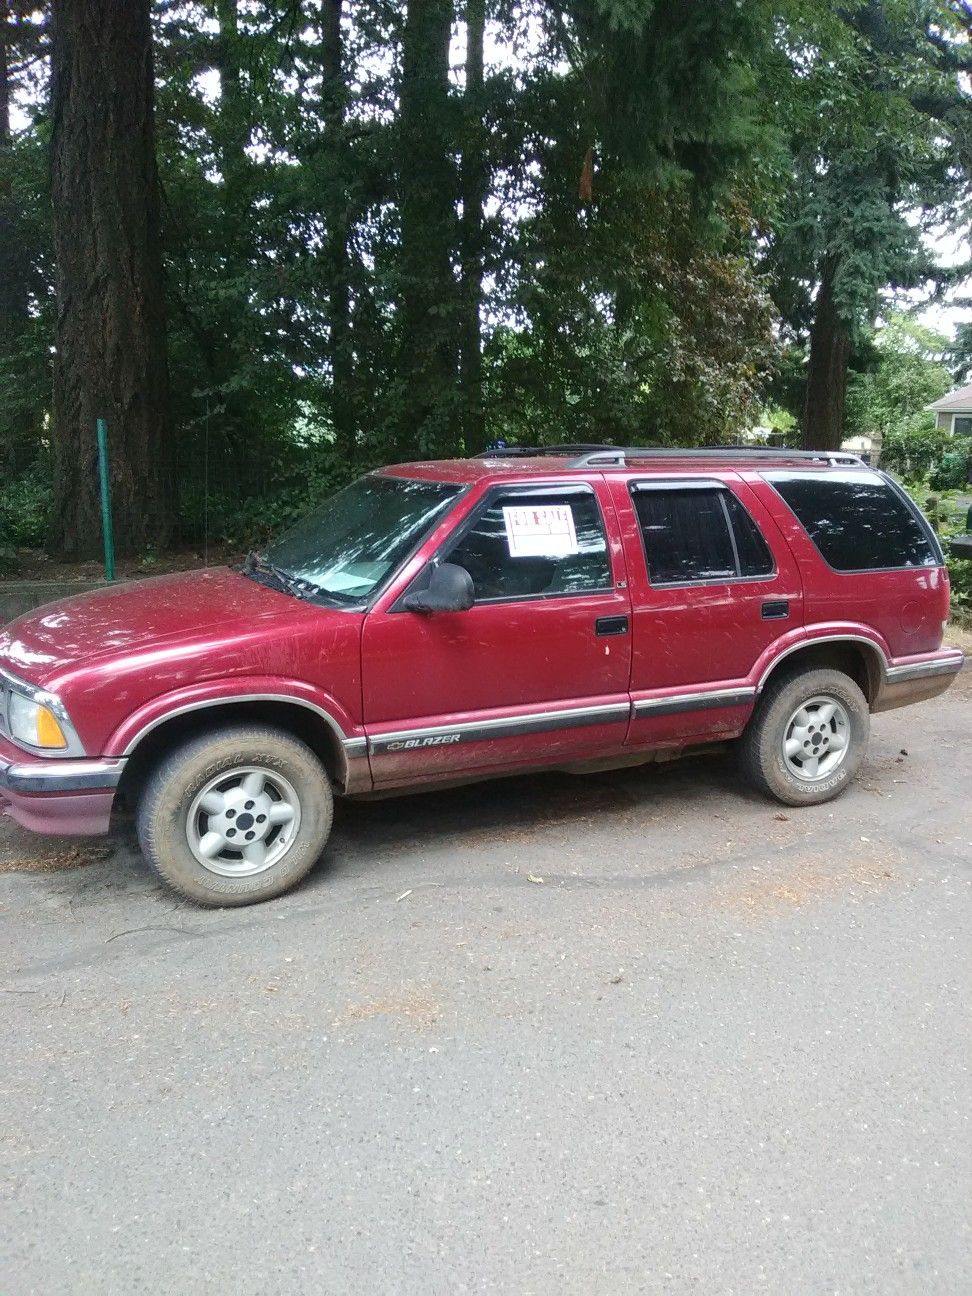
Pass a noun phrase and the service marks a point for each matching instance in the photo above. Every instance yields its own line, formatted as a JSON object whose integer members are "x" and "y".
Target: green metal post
{"x": 106, "y": 530}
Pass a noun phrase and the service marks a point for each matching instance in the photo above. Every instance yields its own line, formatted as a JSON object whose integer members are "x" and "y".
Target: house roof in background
{"x": 960, "y": 399}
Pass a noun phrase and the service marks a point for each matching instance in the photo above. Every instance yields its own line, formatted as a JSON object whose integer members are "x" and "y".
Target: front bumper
{"x": 60, "y": 797}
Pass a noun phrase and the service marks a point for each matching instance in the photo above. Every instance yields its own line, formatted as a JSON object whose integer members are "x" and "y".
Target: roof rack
{"x": 531, "y": 452}
{"x": 590, "y": 456}
{"x": 622, "y": 455}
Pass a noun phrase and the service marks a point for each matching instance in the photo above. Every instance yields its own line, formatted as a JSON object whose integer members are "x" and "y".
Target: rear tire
{"x": 808, "y": 737}
{"x": 235, "y": 817}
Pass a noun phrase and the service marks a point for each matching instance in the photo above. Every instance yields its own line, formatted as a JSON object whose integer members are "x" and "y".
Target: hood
{"x": 128, "y": 618}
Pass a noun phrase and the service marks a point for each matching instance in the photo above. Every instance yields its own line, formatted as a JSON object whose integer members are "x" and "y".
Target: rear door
{"x": 713, "y": 585}
{"x": 536, "y": 671}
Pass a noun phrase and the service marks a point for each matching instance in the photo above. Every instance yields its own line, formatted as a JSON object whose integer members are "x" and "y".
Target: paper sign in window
{"x": 543, "y": 531}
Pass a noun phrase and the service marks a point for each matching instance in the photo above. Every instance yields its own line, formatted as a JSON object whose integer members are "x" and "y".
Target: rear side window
{"x": 754, "y": 556}
{"x": 698, "y": 534}
{"x": 856, "y": 520}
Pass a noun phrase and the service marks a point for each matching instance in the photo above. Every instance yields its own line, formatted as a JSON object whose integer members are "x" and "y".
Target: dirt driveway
{"x": 641, "y": 1032}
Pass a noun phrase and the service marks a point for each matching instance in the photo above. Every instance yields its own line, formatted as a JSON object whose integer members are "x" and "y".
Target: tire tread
{"x": 154, "y": 832}
{"x": 757, "y": 748}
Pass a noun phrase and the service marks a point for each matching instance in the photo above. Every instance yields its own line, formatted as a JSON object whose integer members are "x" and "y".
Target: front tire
{"x": 235, "y": 817}
{"x": 808, "y": 738}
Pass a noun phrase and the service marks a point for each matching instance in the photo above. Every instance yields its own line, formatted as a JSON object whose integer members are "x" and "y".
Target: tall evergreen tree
{"x": 371, "y": 253}
{"x": 13, "y": 307}
{"x": 336, "y": 181}
{"x": 881, "y": 129}
{"x": 959, "y": 355}
{"x": 474, "y": 191}
{"x": 428, "y": 416}
{"x": 110, "y": 341}
{"x": 23, "y": 247}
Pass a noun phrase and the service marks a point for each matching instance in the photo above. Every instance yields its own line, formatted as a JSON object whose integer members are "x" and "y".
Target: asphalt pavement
{"x": 638, "y": 1032}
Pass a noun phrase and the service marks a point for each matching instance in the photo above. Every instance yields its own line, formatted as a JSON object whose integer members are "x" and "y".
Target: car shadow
{"x": 511, "y": 809}
{"x": 498, "y": 813}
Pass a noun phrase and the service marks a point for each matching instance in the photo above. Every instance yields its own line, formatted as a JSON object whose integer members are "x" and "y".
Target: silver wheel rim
{"x": 243, "y": 821}
{"x": 816, "y": 739}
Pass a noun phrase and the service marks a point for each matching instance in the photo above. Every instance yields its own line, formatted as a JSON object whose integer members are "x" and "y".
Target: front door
{"x": 536, "y": 671}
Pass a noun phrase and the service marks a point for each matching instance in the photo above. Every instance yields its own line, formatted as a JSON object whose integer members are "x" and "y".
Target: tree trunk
{"x": 334, "y": 96}
{"x": 25, "y": 395}
{"x": 110, "y": 356}
{"x": 474, "y": 183}
{"x": 830, "y": 348}
{"x": 231, "y": 134}
{"x": 12, "y": 308}
{"x": 233, "y": 126}
{"x": 13, "y": 297}
{"x": 428, "y": 403}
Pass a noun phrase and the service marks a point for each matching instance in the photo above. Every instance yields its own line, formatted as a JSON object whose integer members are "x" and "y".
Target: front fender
{"x": 216, "y": 693}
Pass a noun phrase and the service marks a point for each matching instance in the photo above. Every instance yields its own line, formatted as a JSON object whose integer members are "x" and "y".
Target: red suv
{"x": 579, "y": 609}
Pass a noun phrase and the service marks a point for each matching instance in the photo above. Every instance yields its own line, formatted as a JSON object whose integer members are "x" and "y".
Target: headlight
{"x": 34, "y": 724}
{"x": 36, "y": 718}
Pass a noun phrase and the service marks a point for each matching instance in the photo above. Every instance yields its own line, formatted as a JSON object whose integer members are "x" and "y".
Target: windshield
{"x": 357, "y": 538}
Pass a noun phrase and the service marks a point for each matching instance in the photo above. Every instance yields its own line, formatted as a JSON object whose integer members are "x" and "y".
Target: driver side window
{"x": 535, "y": 545}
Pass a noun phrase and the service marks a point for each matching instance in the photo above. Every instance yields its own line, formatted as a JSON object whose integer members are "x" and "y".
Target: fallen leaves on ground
{"x": 53, "y": 859}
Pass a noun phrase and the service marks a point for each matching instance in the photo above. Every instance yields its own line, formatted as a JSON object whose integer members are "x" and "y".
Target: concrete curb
{"x": 18, "y": 597}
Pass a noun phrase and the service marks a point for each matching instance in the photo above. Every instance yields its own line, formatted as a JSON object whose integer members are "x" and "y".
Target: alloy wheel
{"x": 816, "y": 739}
{"x": 243, "y": 821}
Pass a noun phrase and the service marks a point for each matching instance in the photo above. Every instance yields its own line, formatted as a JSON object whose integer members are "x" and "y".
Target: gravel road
{"x": 640, "y": 1032}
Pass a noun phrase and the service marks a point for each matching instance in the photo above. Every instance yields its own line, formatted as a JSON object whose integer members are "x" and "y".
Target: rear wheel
{"x": 235, "y": 817}
{"x": 808, "y": 737}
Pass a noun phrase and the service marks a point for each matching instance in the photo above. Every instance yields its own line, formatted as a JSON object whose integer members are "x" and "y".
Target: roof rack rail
{"x": 619, "y": 456}
{"x": 519, "y": 452}
{"x": 590, "y": 456}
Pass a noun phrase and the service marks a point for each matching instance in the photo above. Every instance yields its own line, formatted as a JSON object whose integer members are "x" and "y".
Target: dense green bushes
{"x": 250, "y": 521}
{"x": 915, "y": 453}
{"x": 25, "y": 504}
{"x": 960, "y": 575}
{"x": 952, "y": 514}
{"x": 929, "y": 461}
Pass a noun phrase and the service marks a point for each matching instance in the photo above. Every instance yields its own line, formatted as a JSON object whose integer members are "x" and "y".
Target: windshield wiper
{"x": 288, "y": 582}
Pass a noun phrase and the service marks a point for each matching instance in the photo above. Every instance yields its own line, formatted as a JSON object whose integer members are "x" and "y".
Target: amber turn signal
{"x": 49, "y": 731}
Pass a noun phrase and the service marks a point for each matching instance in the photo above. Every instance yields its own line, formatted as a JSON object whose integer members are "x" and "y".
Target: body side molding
{"x": 704, "y": 700}
{"x": 497, "y": 727}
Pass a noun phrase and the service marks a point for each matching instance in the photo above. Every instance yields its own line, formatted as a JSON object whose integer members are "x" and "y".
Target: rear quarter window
{"x": 857, "y": 521}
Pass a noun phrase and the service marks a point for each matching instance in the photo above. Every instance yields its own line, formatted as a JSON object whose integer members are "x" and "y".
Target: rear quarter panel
{"x": 905, "y": 607}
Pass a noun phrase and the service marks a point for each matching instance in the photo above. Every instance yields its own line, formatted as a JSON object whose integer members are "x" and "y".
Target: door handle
{"x": 612, "y": 625}
{"x": 776, "y": 609}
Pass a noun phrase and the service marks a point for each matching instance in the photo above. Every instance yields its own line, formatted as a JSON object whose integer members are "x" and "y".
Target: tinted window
{"x": 755, "y": 558}
{"x": 687, "y": 536}
{"x": 523, "y": 545}
{"x": 856, "y": 520}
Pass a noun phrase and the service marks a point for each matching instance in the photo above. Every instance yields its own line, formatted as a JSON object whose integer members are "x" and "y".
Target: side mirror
{"x": 450, "y": 589}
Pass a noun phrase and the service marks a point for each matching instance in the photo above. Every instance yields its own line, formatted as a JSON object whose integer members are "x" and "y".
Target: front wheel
{"x": 235, "y": 817}
{"x": 808, "y": 737}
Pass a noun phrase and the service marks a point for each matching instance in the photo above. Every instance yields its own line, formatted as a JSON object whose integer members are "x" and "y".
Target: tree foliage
{"x": 414, "y": 227}
{"x": 879, "y": 150}
{"x": 959, "y": 354}
{"x": 903, "y": 375}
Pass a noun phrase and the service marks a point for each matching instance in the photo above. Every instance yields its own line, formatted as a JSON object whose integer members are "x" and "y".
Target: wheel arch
{"x": 304, "y": 720}
{"x": 861, "y": 659}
